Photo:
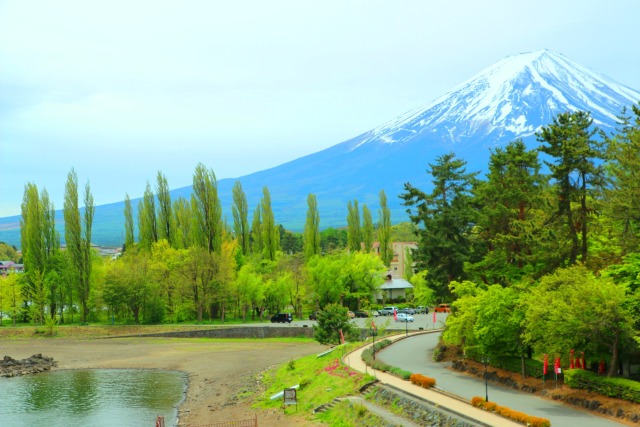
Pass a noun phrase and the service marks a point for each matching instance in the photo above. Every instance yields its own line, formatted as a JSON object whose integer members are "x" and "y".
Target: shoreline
{"x": 217, "y": 372}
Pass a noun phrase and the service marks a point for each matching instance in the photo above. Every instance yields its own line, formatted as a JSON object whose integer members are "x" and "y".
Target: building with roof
{"x": 392, "y": 289}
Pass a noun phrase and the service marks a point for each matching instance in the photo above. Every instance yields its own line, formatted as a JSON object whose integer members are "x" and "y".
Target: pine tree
{"x": 578, "y": 176}
{"x": 444, "y": 219}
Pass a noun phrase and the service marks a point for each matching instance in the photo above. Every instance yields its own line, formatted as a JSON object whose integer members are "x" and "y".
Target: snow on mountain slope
{"x": 513, "y": 98}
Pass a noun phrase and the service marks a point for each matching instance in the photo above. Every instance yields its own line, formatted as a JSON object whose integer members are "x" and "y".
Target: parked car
{"x": 404, "y": 317}
{"x": 443, "y": 308}
{"x": 313, "y": 316}
{"x": 375, "y": 313}
{"x": 387, "y": 311}
{"x": 351, "y": 314}
{"x": 361, "y": 314}
{"x": 407, "y": 310}
{"x": 282, "y": 318}
{"x": 422, "y": 309}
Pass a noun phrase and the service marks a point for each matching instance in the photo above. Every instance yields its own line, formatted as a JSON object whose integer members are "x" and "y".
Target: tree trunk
{"x": 613, "y": 367}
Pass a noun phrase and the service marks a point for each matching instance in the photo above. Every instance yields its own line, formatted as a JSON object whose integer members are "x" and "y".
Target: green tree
{"x": 384, "y": 230}
{"x": 510, "y": 217}
{"x": 257, "y": 244}
{"x": 572, "y": 308}
{"x": 78, "y": 238}
{"x": 331, "y": 321}
{"x": 240, "y": 211}
{"x": 184, "y": 221}
{"x": 332, "y": 239}
{"x": 623, "y": 192}
{"x": 207, "y": 209}
{"x": 311, "y": 235}
{"x": 578, "y": 176}
{"x": 147, "y": 225}
{"x": 129, "y": 238}
{"x": 165, "y": 216}
{"x": 367, "y": 229}
{"x": 445, "y": 219}
{"x": 354, "y": 234}
{"x": 270, "y": 232}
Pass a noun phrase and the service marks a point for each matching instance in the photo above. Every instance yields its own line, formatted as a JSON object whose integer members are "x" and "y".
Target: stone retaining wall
{"x": 416, "y": 410}
{"x": 241, "y": 332}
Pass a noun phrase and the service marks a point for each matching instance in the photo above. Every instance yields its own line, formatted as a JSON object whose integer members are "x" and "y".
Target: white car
{"x": 403, "y": 317}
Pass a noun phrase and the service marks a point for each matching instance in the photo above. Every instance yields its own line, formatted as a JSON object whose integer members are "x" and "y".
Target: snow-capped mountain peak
{"x": 511, "y": 99}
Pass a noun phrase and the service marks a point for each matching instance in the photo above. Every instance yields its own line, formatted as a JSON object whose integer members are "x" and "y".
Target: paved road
{"x": 415, "y": 355}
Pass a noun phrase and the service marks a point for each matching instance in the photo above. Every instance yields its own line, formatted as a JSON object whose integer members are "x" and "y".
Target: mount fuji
{"x": 512, "y": 99}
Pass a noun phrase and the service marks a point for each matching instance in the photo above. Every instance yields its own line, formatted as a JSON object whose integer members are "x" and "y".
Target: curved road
{"x": 415, "y": 354}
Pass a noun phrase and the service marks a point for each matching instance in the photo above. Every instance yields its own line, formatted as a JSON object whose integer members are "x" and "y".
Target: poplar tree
{"x": 183, "y": 220}
{"x": 207, "y": 209}
{"x": 128, "y": 223}
{"x": 311, "y": 235}
{"x": 147, "y": 226}
{"x": 384, "y": 230}
{"x": 354, "y": 236}
{"x": 32, "y": 232}
{"x": 240, "y": 210}
{"x": 270, "y": 232}
{"x": 256, "y": 231}
{"x": 78, "y": 238}
{"x": 164, "y": 217}
{"x": 367, "y": 229}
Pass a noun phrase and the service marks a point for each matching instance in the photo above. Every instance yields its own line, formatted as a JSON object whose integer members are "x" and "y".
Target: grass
{"x": 320, "y": 380}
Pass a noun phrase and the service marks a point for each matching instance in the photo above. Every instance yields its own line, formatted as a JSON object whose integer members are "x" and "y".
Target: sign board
{"x": 290, "y": 396}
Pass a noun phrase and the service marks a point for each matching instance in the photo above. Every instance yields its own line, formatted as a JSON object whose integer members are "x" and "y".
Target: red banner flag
{"x": 395, "y": 314}
{"x": 434, "y": 316}
{"x": 373, "y": 325}
{"x": 545, "y": 365}
{"x": 571, "y": 358}
{"x": 341, "y": 337}
{"x": 556, "y": 365}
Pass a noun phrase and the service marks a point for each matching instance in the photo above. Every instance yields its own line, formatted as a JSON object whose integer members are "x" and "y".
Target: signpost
{"x": 290, "y": 398}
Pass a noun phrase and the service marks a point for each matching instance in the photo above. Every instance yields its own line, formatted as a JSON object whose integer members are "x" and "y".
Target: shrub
{"x": 521, "y": 417}
{"x": 621, "y": 388}
{"x": 422, "y": 381}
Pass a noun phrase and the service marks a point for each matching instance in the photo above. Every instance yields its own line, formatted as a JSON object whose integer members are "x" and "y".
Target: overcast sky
{"x": 119, "y": 90}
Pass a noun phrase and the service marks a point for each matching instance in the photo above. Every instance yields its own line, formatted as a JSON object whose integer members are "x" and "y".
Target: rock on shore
{"x": 10, "y": 367}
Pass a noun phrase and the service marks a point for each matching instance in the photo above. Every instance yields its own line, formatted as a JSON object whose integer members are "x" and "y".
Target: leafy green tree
{"x": 331, "y": 321}
{"x": 9, "y": 252}
{"x": 78, "y": 238}
{"x": 360, "y": 277}
{"x": 34, "y": 254}
{"x": 384, "y": 230}
{"x": 250, "y": 292}
{"x": 578, "y": 176}
{"x": 445, "y": 219}
{"x": 128, "y": 283}
{"x": 354, "y": 233}
{"x": 129, "y": 238}
{"x": 367, "y": 229}
{"x": 422, "y": 293}
{"x": 240, "y": 211}
{"x": 166, "y": 228}
{"x": 207, "y": 209}
{"x": 270, "y": 232}
{"x": 290, "y": 242}
{"x": 323, "y": 277}
{"x": 311, "y": 235}
{"x": 332, "y": 239}
{"x": 572, "y": 308}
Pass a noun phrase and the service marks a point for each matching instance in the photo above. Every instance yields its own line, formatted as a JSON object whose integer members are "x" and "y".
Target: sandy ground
{"x": 221, "y": 373}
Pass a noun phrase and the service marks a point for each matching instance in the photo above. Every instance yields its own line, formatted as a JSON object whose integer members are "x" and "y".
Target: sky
{"x": 119, "y": 90}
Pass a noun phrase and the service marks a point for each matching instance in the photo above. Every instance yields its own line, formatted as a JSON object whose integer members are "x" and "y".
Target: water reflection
{"x": 96, "y": 397}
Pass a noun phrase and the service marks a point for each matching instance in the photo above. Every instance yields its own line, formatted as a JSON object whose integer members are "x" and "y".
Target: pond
{"x": 92, "y": 397}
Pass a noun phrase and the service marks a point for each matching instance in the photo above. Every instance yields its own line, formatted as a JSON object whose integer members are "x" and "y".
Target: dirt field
{"x": 219, "y": 371}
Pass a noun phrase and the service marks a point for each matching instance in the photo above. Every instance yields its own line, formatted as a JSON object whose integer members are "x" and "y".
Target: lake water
{"x": 91, "y": 397}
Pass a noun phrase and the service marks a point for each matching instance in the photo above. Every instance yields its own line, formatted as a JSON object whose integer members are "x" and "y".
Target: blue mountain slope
{"x": 512, "y": 99}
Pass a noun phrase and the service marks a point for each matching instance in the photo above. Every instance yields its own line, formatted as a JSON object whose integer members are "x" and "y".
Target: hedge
{"x": 422, "y": 381}
{"x": 621, "y": 388}
{"x": 517, "y": 416}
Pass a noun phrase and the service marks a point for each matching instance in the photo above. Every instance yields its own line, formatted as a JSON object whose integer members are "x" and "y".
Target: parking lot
{"x": 424, "y": 321}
